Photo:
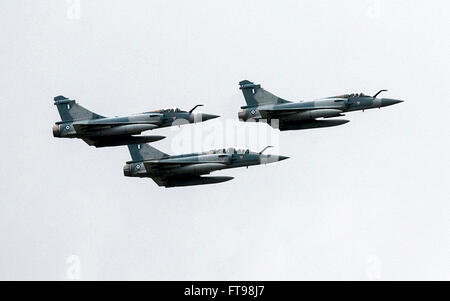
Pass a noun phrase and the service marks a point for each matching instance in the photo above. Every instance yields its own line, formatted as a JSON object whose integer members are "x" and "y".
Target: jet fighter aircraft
{"x": 100, "y": 131}
{"x": 263, "y": 105}
{"x": 188, "y": 169}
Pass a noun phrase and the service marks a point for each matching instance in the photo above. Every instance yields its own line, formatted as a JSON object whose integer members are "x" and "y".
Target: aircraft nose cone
{"x": 281, "y": 158}
{"x": 199, "y": 117}
{"x": 208, "y": 116}
{"x": 389, "y": 102}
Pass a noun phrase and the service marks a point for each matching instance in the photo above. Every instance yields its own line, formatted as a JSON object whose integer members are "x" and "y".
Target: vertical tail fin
{"x": 142, "y": 152}
{"x": 255, "y": 95}
{"x": 69, "y": 110}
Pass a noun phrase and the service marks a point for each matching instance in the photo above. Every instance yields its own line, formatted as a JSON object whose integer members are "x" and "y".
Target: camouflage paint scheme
{"x": 262, "y": 105}
{"x": 100, "y": 131}
{"x": 188, "y": 169}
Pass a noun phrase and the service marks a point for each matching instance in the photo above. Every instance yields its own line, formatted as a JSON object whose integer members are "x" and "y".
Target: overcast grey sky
{"x": 366, "y": 200}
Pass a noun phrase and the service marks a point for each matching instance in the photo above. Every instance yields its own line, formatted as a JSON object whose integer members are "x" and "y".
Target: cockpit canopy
{"x": 351, "y": 95}
{"x": 356, "y": 95}
{"x": 241, "y": 151}
{"x": 177, "y": 110}
{"x": 230, "y": 151}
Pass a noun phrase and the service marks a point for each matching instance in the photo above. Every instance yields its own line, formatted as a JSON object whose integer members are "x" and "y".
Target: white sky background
{"x": 366, "y": 200}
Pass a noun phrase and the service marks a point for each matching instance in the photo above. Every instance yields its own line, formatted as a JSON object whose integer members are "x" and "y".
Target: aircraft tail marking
{"x": 70, "y": 111}
{"x": 255, "y": 95}
{"x": 142, "y": 152}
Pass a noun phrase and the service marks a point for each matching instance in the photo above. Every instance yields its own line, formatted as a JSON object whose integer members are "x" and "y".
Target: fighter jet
{"x": 262, "y": 105}
{"x": 100, "y": 131}
{"x": 188, "y": 169}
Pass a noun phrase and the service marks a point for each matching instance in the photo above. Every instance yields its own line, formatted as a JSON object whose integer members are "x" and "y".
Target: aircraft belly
{"x": 120, "y": 140}
{"x": 196, "y": 169}
{"x": 312, "y": 114}
{"x": 180, "y": 182}
{"x": 311, "y": 124}
{"x": 129, "y": 129}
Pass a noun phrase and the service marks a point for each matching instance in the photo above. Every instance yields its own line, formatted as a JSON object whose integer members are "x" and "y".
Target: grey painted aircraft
{"x": 188, "y": 169}
{"x": 100, "y": 131}
{"x": 263, "y": 105}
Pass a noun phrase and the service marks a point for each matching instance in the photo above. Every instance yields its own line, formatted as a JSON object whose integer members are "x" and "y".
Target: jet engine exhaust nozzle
{"x": 127, "y": 170}
{"x": 241, "y": 115}
{"x": 56, "y": 131}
